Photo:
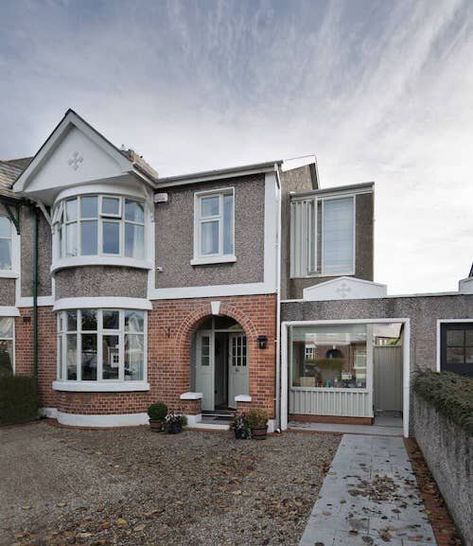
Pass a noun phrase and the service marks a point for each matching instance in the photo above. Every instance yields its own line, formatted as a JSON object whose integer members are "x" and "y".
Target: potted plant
{"x": 257, "y": 420}
{"x": 174, "y": 422}
{"x": 157, "y": 416}
{"x": 240, "y": 426}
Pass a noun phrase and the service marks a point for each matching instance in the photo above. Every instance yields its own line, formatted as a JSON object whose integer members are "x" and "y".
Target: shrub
{"x": 158, "y": 411}
{"x": 257, "y": 418}
{"x": 451, "y": 395}
{"x": 18, "y": 399}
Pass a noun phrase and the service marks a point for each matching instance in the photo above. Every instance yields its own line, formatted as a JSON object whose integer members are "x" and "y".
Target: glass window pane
{"x": 134, "y": 211}
{"x": 59, "y": 356}
{"x": 6, "y": 327}
{"x": 6, "y": 358}
{"x": 111, "y": 238}
{"x": 88, "y": 238}
{"x": 228, "y": 224}
{"x": 111, "y": 320}
{"x": 89, "y": 357}
{"x": 455, "y": 355}
{"x": 5, "y": 254}
{"x": 110, "y": 357}
{"x": 134, "y": 357}
{"x": 71, "y": 210}
{"x": 209, "y": 238}
{"x": 455, "y": 338}
{"x": 338, "y": 236}
{"x": 469, "y": 337}
{"x": 331, "y": 356}
{"x": 71, "y": 317}
{"x": 71, "y": 240}
{"x": 134, "y": 241}
{"x": 88, "y": 207}
{"x": 71, "y": 356}
{"x": 134, "y": 321}
{"x": 111, "y": 206}
{"x": 5, "y": 227}
{"x": 89, "y": 319}
{"x": 209, "y": 206}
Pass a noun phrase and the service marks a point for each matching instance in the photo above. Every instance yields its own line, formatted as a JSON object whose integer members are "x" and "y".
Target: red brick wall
{"x": 171, "y": 325}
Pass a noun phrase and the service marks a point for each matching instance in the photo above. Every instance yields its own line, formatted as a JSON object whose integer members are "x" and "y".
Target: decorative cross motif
{"x": 343, "y": 290}
{"x": 75, "y": 160}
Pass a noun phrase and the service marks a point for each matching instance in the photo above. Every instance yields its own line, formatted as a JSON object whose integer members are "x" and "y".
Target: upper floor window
{"x": 101, "y": 345}
{"x": 322, "y": 236}
{"x": 214, "y": 225}
{"x": 5, "y": 243}
{"x": 100, "y": 225}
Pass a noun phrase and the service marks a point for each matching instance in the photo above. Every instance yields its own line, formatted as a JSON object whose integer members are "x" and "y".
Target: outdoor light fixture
{"x": 262, "y": 342}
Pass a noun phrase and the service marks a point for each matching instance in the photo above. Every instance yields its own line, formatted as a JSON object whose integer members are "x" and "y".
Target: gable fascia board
{"x": 70, "y": 118}
{"x": 353, "y": 189}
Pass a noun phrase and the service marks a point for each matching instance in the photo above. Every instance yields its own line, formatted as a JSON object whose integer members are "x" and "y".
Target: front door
{"x": 205, "y": 368}
{"x": 237, "y": 367}
{"x": 387, "y": 364}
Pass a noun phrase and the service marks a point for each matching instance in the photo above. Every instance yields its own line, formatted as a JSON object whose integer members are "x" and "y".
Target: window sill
{"x": 80, "y": 261}
{"x": 7, "y": 274}
{"x": 100, "y": 386}
{"x": 214, "y": 260}
{"x": 324, "y": 275}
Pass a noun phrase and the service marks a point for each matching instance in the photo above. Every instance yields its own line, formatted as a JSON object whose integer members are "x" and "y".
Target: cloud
{"x": 378, "y": 90}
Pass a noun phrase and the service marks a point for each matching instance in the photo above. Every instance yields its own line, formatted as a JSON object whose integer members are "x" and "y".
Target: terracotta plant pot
{"x": 155, "y": 425}
{"x": 259, "y": 433}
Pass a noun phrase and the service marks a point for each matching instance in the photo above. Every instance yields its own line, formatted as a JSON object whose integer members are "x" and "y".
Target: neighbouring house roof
{"x": 10, "y": 170}
{"x": 217, "y": 174}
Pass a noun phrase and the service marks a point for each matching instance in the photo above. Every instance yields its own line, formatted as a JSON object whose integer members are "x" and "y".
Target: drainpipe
{"x": 35, "y": 291}
{"x": 278, "y": 302}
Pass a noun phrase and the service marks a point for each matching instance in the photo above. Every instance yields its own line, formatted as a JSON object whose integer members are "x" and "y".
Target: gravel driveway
{"x": 133, "y": 487}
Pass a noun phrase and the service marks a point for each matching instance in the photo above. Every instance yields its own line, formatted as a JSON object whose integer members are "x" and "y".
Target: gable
{"x": 345, "y": 288}
{"x": 73, "y": 154}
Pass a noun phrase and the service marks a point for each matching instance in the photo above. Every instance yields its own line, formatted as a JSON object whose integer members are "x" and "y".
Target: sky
{"x": 378, "y": 90}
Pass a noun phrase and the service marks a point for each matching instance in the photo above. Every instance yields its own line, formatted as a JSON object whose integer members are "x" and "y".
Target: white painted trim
{"x": 80, "y": 261}
{"x": 228, "y": 258}
{"x": 242, "y": 398}
{"x": 357, "y": 289}
{"x": 51, "y": 413}
{"x": 218, "y": 290}
{"x": 95, "y": 188}
{"x": 406, "y": 360}
{"x": 43, "y": 301}
{"x": 102, "y": 421}
{"x": 191, "y": 396}
{"x": 105, "y": 302}
{"x": 215, "y": 307}
{"x": 100, "y": 386}
{"x": 207, "y": 426}
{"x": 193, "y": 420}
{"x": 271, "y": 201}
{"x": 6, "y": 311}
{"x": 438, "y": 340}
{"x": 8, "y": 273}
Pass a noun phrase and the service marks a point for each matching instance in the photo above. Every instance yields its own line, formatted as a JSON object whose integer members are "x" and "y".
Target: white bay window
{"x": 101, "y": 345}
{"x": 6, "y": 346}
{"x": 100, "y": 225}
{"x": 322, "y": 236}
{"x": 214, "y": 227}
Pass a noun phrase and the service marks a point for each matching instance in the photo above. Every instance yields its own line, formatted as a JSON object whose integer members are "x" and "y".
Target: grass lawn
{"x": 133, "y": 487}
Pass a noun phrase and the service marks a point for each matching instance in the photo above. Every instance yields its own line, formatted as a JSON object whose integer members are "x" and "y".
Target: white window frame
{"x": 12, "y": 339}
{"x": 310, "y": 254}
{"x": 220, "y": 256}
{"x": 100, "y": 384}
{"x": 13, "y": 271}
{"x": 59, "y": 223}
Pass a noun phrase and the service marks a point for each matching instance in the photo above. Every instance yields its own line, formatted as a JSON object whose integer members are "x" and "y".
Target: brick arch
{"x": 191, "y": 324}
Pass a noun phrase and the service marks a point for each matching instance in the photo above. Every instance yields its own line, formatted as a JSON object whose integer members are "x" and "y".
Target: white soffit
{"x": 345, "y": 288}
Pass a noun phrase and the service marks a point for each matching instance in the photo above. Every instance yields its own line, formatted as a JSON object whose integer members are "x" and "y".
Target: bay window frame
{"x": 12, "y": 339}
{"x": 63, "y": 383}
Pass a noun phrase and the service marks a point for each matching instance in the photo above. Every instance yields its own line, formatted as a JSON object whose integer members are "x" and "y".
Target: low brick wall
{"x": 449, "y": 453}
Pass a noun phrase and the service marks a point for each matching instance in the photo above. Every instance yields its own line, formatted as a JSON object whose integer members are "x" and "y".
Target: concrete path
{"x": 383, "y": 426}
{"x": 369, "y": 498}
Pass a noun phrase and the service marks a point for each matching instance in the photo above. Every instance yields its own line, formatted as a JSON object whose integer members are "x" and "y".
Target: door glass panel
{"x": 205, "y": 351}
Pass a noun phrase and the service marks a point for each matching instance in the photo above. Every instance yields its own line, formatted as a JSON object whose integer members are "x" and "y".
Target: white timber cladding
{"x": 323, "y": 235}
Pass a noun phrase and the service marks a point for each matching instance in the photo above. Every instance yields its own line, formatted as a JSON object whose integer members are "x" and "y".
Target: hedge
{"x": 451, "y": 394}
{"x": 18, "y": 399}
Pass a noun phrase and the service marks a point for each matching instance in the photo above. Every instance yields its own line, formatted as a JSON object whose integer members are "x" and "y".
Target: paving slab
{"x": 369, "y": 497}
